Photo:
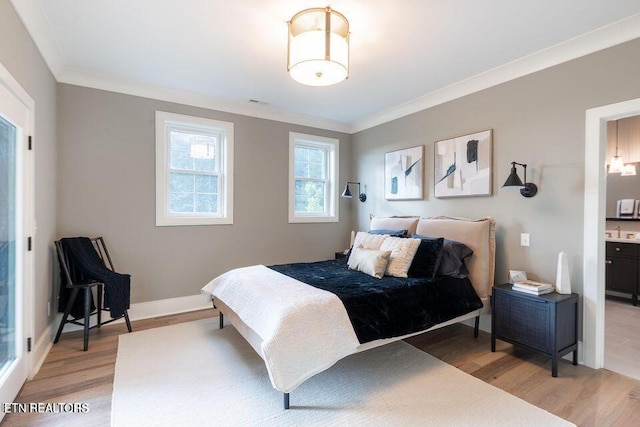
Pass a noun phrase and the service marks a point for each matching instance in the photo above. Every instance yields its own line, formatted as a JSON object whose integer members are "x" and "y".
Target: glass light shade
{"x": 616, "y": 165}
{"x": 202, "y": 150}
{"x": 629, "y": 170}
{"x": 308, "y": 65}
{"x": 313, "y": 58}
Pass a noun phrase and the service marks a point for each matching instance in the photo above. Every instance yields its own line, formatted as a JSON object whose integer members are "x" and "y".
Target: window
{"x": 194, "y": 170}
{"x": 313, "y": 178}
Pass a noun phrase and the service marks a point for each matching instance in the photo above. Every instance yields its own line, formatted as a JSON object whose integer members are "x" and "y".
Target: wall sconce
{"x": 528, "y": 189}
{"x": 347, "y": 193}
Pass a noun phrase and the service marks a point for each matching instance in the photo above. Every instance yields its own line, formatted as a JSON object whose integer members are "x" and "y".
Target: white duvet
{"x": 304, "y": 330}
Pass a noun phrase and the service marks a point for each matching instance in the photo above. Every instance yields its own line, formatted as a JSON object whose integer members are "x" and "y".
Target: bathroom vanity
{"x": 623, "y": 266}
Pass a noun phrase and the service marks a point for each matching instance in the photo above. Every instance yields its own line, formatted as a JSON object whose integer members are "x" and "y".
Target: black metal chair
{"x": 87, "y": 286}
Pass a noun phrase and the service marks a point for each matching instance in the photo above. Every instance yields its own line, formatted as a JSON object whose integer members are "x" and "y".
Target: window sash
{"x": 218, "y": 171}
{"x": 328, "y": 209}
{"x": 213, "y": 194}
{"x": 325, "y": 160}
{"x": 325, "y": 199}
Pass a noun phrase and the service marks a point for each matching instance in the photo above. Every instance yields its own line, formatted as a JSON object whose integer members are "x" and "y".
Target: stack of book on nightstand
{"x": 532, "y": 287}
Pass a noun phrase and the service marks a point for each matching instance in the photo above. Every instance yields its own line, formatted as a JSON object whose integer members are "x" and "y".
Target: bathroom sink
{"x": 625, "y": 236}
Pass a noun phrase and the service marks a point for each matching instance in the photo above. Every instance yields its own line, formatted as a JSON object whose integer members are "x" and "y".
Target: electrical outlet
{"x": 524, "y": 239}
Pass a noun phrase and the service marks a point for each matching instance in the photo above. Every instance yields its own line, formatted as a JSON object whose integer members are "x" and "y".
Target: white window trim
{"x": 164, "y": 122}
{"x": 333, "y": 147}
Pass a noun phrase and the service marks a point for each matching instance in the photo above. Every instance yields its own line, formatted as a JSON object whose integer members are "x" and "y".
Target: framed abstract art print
{"x": 462, "y": 165}
{"x": 404, "y": 174}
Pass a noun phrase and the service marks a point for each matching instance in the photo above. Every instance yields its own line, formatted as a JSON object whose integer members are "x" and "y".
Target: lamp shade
{"x": 513, "y": 181}
{"x": 318, "y": 52}
{"x": 346, "y": 193}
{"x": 528, "y": 189}
{"x": 616, "y": 165}
{"x": 629, "y": 170}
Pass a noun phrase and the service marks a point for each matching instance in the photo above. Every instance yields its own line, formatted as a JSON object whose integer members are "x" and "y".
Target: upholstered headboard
{"x": 479, "y": 235}
{"x": 408, "y": 223}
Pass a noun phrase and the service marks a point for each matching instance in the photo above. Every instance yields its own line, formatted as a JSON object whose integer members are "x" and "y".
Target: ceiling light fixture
{"x": 202, "y": 147}
{"x": 617, "y": 164}
{"x": 629, "y": 170}
{"x": 318, "y": 50}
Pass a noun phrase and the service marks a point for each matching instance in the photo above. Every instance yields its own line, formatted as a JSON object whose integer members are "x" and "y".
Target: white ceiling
{"x": 406, "y": 55}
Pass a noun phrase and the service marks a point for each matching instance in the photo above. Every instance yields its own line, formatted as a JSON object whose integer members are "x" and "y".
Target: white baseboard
{"x": 138, "y": 311}
{"x": 166, "y": 307}
{"x": 149, "y": 309}
{"x": 41, "y": 349}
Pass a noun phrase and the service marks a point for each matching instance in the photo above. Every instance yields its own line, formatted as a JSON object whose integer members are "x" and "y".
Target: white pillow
{"x": 369, "y": 241}
{"x": 369, "y": 261}
{"x": 402, "y": 253}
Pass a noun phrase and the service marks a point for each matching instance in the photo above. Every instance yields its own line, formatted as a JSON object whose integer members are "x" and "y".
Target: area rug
{"x": 196, "y": 374}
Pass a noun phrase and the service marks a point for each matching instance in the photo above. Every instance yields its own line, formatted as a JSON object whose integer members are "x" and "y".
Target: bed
{"x": 300, "y": 329}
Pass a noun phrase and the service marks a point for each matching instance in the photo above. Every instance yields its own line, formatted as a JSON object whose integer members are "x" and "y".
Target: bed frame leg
{"x": 286, "y": 400}
{"x": 220, "y": 313}
{"x": 476, "y": 327}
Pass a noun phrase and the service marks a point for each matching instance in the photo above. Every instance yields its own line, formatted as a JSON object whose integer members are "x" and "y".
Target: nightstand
{"x": 340, "y": 255}
{"x": 546, "y": 324}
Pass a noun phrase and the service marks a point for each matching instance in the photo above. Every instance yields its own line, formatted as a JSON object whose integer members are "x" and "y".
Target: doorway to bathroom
{"x": 594, "y": 249}
{"x": 622, "y": 247}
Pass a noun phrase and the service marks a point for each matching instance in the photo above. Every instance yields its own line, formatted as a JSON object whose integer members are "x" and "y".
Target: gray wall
{"x": 106, "y": 187}
{"x": 538, "y": 119}
{"x": 21, "y": 57}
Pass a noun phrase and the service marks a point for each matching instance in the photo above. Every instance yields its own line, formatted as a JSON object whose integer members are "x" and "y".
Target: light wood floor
{"x": 622, "y": 337}
{"x": 581, "y": 395}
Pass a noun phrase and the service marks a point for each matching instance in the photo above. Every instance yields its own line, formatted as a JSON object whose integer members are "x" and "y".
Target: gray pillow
{"x": 454, "y": 255}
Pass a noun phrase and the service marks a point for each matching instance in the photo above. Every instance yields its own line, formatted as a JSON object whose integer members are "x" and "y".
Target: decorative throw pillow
{"x": 402, "y": 253}
{"x": 454, "y": 256}
{"x": 391, "y": 233}
{"x": 409, "y": 223}
{"x": 369, "y": 261}
{"x": 369, "y": 241}
{"x": 427, "y": 259}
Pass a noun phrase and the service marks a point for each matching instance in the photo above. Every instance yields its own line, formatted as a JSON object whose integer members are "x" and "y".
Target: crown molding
{"x": 111, "y": 84}
{"x": 610, "y": 35}
{"x": 35, "y": 20}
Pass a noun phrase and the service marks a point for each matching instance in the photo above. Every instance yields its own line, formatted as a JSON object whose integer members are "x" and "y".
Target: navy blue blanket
{"x": 86, "y": 264}
{"x": 391, "y": 306}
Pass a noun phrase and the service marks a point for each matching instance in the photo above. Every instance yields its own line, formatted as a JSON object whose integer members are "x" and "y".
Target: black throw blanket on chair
{"x": 85, "y": 264}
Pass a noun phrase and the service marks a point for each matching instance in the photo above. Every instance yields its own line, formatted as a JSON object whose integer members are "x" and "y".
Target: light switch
{"x": 524, "y": 239}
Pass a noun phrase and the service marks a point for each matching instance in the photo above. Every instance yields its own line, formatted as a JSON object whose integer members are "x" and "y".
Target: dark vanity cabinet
{"x": 622, "y": 268}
